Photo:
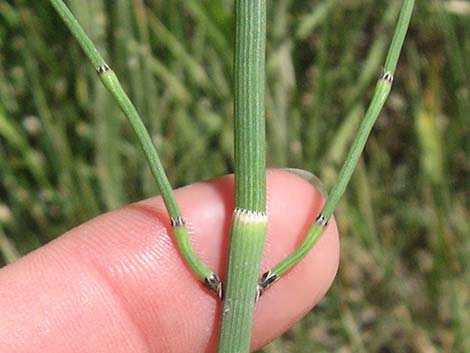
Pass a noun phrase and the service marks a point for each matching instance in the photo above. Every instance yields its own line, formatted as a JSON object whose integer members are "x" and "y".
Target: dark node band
{"x": 214, "y": 283}
{"x": 266, "y": 280}
{"x": 177, "y": 222}
{"x": 322, "y": 220}
{"x": 102, "y": 69}
{"x": 387, "y": 76}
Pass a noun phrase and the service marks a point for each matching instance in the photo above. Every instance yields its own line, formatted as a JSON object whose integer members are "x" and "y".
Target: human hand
{"x": 118, "y": 283}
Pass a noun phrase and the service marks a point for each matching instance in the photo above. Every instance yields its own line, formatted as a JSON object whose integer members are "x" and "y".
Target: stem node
{"x": 322, "y": 220}
{"x": 101, "y": 69}
{"x": 214, "y": 284}
{"x": 266, "y": 280}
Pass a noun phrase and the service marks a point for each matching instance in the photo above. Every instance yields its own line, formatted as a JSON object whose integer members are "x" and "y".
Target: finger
{"x": 118, "y": 284}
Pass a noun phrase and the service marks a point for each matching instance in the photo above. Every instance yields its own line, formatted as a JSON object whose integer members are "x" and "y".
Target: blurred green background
{"x": 67, "y": 154}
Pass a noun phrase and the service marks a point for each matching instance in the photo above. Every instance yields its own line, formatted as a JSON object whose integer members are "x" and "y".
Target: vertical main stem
{"x": 249, "y": 218}
{"x": 250, "y": 145}
{"x": 246, "y": 249}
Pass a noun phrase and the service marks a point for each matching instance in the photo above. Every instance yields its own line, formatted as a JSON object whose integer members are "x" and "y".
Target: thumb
{"x": 118, "y": 283}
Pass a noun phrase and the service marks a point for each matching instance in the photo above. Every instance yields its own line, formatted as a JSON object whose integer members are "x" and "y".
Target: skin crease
{"x": 118, "y": 284}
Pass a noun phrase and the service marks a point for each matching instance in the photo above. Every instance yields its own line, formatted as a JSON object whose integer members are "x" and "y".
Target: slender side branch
{"x": 111, "y": 82}
{"x": 249, "y": 219}
{"x": 381, "y": 93}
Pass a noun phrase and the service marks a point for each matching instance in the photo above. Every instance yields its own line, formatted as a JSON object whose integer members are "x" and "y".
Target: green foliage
{"x": 67, "y": 154}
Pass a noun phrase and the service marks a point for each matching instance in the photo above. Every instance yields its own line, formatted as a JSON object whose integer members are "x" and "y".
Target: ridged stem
{"x": 250, "y": 145}
{"x": 249, "y": 220}
{"x": 246, "y": 249}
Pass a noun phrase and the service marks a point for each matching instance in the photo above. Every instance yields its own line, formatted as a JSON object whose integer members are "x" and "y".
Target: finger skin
{"x": 118, "y": 284}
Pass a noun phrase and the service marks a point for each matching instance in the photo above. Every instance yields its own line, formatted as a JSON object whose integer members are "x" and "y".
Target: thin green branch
{"x": 111, "y": 82}
{"x": 381, "y": 93}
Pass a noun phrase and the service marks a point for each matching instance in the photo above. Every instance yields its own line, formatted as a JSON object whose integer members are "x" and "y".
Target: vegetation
{"x": 405, "y": 219}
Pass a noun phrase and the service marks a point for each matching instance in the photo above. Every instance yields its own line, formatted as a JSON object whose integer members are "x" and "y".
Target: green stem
{"x": 250, "y": 144}
{"x": 249, "y": 219}
{"x": 381, "y": 93}
{"x": 246, "y": 248}
{"x": 111, "y": 82}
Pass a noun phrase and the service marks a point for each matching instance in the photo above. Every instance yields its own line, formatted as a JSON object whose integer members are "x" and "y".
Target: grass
{"x": 405, "y": 220}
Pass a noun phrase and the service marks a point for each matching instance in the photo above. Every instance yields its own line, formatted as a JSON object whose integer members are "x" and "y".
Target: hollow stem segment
{"x": 111, "y": 82}
{"x": 381, "y": 93}
{"x": 249, "y": 219}
{"x": 246, "y": 248}
{"x": 250, "y": 144}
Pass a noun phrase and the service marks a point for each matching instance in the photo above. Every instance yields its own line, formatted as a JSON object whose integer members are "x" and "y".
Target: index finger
{"x": 118, "y": 284}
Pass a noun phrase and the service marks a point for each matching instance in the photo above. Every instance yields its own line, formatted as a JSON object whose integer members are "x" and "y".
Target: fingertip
{"x": 149, "y": 298}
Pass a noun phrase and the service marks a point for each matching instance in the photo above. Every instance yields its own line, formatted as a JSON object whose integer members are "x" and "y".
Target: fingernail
{"x": 309, "y": 177}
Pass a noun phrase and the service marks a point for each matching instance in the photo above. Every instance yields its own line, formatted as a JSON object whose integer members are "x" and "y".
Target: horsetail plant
{"x": 249, "y": 221}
